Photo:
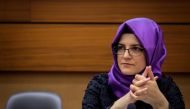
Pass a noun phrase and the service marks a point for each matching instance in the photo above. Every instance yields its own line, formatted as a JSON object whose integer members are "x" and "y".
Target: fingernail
{"x": 150, "y": 66}
{"x": 147, "y": 78}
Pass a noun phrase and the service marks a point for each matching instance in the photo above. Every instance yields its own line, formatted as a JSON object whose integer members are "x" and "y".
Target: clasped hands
{"x": 144, "y": 87}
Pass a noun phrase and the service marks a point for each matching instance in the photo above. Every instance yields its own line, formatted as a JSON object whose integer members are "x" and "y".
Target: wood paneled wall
{"x": 78, "y": 47}
{"x": 52, "y": 41}
{"x": 76, "y": 35}
{"x": 93, "y": 10}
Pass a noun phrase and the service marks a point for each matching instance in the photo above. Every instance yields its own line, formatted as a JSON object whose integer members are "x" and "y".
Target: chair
{"x": 34, "y": 100}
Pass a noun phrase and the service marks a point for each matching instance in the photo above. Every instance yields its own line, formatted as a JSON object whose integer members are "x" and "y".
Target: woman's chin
{"x": 128, "y": 72}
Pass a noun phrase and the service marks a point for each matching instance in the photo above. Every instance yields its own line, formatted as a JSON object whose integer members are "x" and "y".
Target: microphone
{"x": 131, "y": 106}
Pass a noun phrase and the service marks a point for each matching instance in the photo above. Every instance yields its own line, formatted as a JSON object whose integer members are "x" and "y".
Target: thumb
{"x": 150, "y": 73}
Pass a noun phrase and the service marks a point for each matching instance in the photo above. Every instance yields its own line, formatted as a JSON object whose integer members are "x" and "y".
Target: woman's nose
{"x": 127, "y": 54}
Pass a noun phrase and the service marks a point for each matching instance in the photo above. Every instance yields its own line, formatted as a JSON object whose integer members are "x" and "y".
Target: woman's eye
{"x": 120, "y": 47}
{"x": 136, "y": 49}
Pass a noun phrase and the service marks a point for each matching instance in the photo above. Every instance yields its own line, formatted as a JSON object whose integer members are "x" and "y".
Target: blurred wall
{"x": 58, "y": 45}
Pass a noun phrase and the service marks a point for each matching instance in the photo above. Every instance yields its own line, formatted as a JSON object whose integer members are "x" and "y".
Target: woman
{"x": 135, "y": 79}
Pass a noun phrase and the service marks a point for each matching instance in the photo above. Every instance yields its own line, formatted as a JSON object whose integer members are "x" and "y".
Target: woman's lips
{"x": 127, "y": 64}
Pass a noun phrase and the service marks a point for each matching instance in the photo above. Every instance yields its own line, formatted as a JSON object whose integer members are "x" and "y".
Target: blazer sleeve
{"x": 90, "y": 99}
{"x": 172, "y": 93}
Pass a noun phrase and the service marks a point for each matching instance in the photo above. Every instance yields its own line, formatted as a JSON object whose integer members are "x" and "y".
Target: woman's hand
{"x": 123, "y": 102}
{"x": 145, "y": 88}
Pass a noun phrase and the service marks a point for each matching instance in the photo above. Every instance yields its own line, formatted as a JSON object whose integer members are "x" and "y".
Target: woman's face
{"x": 131, "y": 61}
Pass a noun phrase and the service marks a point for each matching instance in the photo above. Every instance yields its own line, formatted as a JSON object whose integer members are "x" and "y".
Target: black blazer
{"x": 99, "y": 95}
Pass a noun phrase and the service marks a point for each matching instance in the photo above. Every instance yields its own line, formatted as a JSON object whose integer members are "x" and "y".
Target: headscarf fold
{"x": 150, "y": 37}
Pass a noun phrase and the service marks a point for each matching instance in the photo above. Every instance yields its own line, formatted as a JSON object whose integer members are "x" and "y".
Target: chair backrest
{"x": 34, "y": 100}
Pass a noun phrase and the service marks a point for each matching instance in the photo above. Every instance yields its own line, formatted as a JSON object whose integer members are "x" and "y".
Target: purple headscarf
{"x": 150, "y": 37}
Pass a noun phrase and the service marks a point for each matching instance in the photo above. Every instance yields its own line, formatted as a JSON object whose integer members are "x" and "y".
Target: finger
{"x": 141, "y": 92}
{"x": 133, "y": 95}
{"x": 133, "y": 88}
{"x": 141, "y": 82}
{"x": 145, "y": 73}
{"x": 150, "y": 73}
{"x": 134, "y": 81}
{"x": 155, "y": 78}
{"x": 139, "y": 77}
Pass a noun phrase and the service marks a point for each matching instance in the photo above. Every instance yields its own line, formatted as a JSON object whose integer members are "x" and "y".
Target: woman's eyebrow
{"x": 120, "y": 44}
{"x": 133, "y": 45}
